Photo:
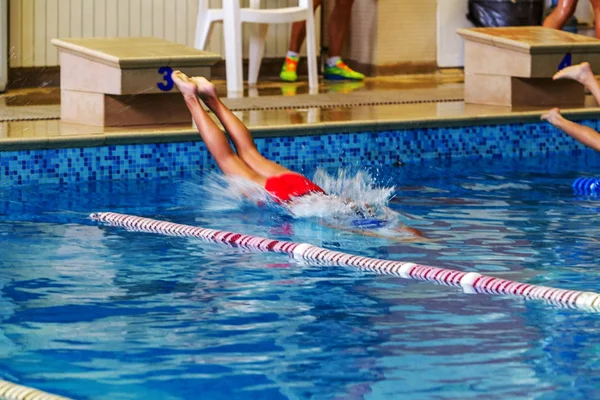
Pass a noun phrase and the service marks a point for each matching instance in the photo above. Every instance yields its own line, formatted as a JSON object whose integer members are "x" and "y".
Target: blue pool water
{"x": 97, "y": 312}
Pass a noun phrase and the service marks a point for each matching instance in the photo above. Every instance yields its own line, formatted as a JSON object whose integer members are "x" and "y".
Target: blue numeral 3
{"x": 166, "y": 73}
{"x": 566, "y": 62}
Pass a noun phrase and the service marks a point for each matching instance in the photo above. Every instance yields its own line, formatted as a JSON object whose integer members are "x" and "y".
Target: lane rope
{"x": 12, "y": 391}
{"x": 587, "y": 186}
{"x": 470, "y": 282}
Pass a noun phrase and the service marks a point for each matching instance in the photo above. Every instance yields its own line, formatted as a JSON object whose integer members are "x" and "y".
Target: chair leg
{"x": 257, "y": 49}
{"x": 203, "y": 32}
{"x": 313, "y": 115}
{"x": 203, "y": 25}
{"x": 311, "y": 53}
{"x": 232, "y": 27}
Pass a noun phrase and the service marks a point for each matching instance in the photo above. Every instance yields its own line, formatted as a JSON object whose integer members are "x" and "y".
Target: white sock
{"x": 331, "y": 61}
{"x": 292, "y": 54}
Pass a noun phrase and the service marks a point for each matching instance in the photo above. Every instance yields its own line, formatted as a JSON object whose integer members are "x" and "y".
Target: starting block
{"x": 513, "y": 66}
{"x": 126, "y": 81}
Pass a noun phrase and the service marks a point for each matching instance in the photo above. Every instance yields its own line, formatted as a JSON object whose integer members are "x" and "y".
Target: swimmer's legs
{"x": 213, "y": 137}
{"x": 559, "y": 16}
{"x": 239, "y": 133}
{"x": 582, "y": 134}
{"x": 583, "y": 74}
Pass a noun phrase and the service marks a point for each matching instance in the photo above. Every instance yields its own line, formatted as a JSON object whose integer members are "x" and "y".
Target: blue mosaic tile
{"x": 300, "y": 153}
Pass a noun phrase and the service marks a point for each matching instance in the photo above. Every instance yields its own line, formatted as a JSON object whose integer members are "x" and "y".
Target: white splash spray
{"x": 345, "y": 194}
{"x": 221, "y": 193}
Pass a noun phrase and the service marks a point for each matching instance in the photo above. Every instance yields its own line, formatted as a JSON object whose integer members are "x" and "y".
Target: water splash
{"x": 218, "y": 192}
{"x": 346, "y": 194}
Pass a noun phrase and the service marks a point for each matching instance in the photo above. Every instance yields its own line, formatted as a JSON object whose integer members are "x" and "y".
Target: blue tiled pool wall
{"x": 300, "y": 153}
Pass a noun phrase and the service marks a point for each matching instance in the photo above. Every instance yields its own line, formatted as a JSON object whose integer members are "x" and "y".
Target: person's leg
{"x": 583, "y": 74}
{"x": 559, "y": 16}
{"x": 582, "y": 134}
{"x": 297, "y": 36}
{"x": 596, "y": 7}
{"x": 339, "y": 23}
{"x": 213, "y": 137}
{"x": 239, "y": 133}
{"x": 299, "y": 32}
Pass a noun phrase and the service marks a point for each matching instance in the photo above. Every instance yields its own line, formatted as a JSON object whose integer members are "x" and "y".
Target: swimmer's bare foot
{"x": 553, "y": 116}
{"x": 205, "y": 89}
{"x": 581, "y": 73}
{"x": 186, "y": 86}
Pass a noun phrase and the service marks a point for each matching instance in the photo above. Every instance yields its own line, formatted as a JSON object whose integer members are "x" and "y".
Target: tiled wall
{"x": 296, "y": 152}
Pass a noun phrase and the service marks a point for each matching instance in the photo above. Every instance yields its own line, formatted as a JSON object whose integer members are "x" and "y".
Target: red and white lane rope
{"x": 12, "y": 391}
{"x": 470, "y": 282}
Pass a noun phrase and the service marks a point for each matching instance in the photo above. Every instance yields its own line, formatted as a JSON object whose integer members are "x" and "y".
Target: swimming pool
{"x": 97, "y": 312}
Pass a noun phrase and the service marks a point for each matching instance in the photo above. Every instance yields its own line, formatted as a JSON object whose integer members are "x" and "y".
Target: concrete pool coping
{"x": 84, "y": 136}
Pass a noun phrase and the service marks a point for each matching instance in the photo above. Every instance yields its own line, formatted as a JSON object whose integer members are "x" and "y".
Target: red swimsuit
{"x": 284, "y": 187}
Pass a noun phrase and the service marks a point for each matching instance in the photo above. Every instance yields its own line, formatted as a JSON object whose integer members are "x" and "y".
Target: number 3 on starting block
{"x": 168, "y": 82}
{"x": 566, "y": 62}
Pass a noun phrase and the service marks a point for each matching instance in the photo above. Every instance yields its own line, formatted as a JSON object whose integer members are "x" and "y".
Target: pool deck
{"x": 29, "y": 118}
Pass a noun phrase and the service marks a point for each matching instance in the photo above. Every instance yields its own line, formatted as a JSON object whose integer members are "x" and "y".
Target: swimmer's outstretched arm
{"x": 406, "y": 233}
{"x": 583, "y": 74}
{"x": 582, "y": 134}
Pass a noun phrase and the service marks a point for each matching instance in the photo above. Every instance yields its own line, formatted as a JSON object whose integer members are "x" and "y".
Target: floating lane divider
{"x": 12, "y": 391}
{"x": 470, "y": 282}
{"x": 587, "y": 186}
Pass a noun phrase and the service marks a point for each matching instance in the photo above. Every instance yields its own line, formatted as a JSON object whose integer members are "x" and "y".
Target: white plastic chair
{"x": 233, "y": 16}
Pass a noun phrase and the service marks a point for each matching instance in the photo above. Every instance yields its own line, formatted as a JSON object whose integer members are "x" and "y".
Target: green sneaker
{"x": 288, "y": 71}
{"x": 342, "y": 72}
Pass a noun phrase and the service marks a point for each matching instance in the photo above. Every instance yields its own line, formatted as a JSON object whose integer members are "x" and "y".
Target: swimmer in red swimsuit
{"x": 284, "y": 185}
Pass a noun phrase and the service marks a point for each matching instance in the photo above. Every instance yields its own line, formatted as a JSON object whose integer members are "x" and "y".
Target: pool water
{"x": 90, "y": 311}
